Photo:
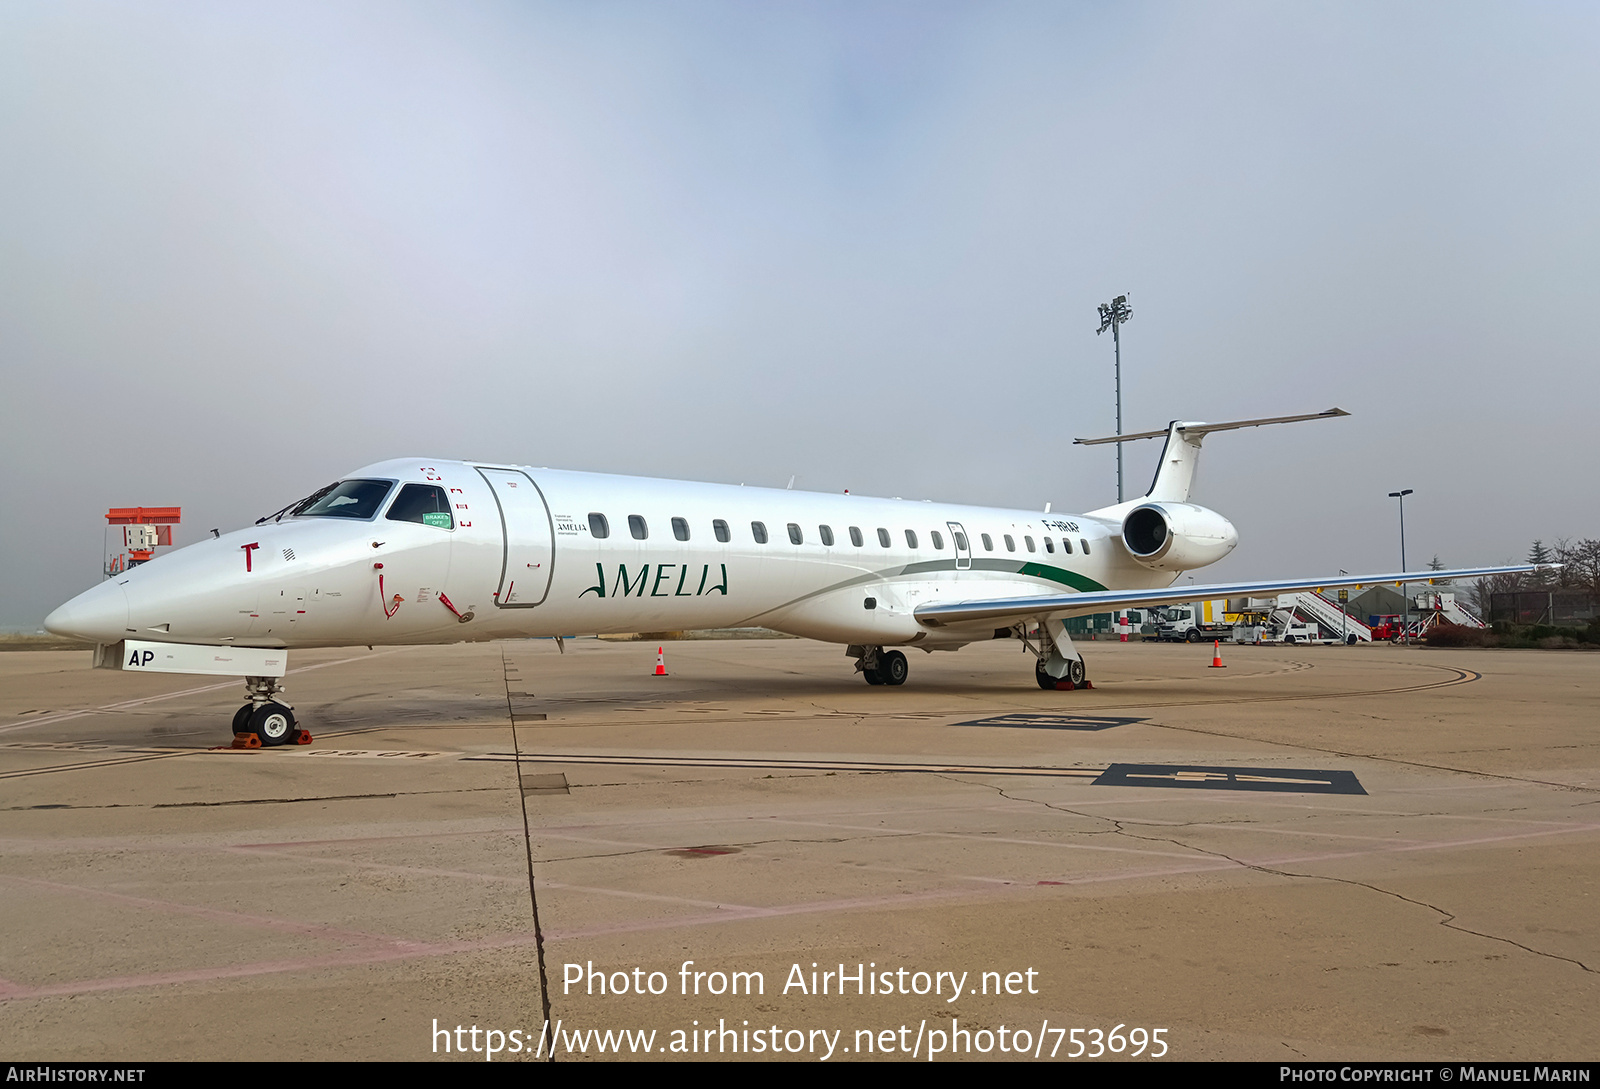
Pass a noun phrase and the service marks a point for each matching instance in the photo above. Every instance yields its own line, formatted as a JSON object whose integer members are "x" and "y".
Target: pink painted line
{"x": 1015, "y": 841}
{"x": 737, "y": 915}
{"x": 400, "y": 950}
{"x": 388, "y": 867}
{"x": 170, "y": 907}
{"x": 261, "y": 968}
{"x": 514, "y": 879}
{"x": 511, "y": 829}
{"x": 1441, "y": 845}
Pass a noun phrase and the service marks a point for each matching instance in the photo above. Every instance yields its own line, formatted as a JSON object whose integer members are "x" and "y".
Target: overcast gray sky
{"x": 246, "y": 248}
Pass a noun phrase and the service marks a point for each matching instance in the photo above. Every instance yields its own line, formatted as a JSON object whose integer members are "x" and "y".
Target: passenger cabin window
{"x": 988, "y": 545}
{"x": 794, "y": 534}
{"x": 348, "y": 499}
{"x": 720, "y": 529}
{"x": 425, "y": 503}
{"x": 911, "y": 538}
{"x": 1085, "y": 545}
{"x": 680, "y": 529}
{"x": 1029, "y": 542}
{"x": 938, "y": 539}
{"x": 637, "y": 527}
{"x": 1066, "y": 546}
{"x": 1049, "y": 545}
{"x": 883, "y": 537}
{"x": 960, "y": 539}
{"x": 758, "y": 530}
{"x": 1011, "y": 546}
{"x": 826, "y": 532}
{"x": 598, "y": 526}
{"x": 855, "y": 536}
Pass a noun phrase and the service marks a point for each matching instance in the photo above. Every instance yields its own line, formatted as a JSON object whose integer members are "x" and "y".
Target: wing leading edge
{"x": 1061, "y": 606}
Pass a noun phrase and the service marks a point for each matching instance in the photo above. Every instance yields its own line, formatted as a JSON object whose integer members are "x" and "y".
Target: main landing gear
{"x": 879, "y": 666}
{"x": 1076, "y": 676}
{"x": 1057, "y": 663}
{"x": 266, "y": 720}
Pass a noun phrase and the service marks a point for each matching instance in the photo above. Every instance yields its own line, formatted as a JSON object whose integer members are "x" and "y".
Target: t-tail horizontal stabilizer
{"x": 1175, "y": 472}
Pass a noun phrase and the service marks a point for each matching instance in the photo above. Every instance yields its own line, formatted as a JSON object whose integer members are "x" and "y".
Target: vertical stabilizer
{"x": 1179, "y": 458}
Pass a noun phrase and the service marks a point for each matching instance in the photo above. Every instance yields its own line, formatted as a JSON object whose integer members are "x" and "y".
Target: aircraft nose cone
{"x": 98, "y": 615}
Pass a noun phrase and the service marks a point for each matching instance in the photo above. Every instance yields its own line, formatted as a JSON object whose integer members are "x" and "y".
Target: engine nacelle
{"x": 1177, "y": 536}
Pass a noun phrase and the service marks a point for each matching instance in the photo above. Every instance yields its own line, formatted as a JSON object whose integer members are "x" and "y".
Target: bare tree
{"x": 1580, "y": 562}
{"x": 1484, "y": 589}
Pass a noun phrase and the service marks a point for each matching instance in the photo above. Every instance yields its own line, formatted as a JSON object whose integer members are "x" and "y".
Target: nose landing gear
{"x": 266, "y": 720}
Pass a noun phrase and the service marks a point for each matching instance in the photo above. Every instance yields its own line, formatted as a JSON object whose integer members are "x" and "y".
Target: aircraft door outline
{"x": 527, "y": 533}
{"x": 963, "y": 554}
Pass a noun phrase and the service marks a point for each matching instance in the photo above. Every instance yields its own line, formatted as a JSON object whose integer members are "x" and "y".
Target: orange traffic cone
{"x": 661, "y": 662}
{"x": 1216, "y": 654}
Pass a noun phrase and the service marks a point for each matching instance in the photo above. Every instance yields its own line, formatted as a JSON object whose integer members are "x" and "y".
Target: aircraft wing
{"x": 1011, "y": 610}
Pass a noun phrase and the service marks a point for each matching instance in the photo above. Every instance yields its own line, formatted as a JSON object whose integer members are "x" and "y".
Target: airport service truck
{"x": 1195, "y": 622}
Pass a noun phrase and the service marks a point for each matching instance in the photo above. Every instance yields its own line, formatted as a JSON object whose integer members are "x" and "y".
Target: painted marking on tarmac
{"x": 1295, "y": 780}
{"x": 788, "y": 765}
{"x": 365, "y": 754}
{"x": 1052, "y": 722}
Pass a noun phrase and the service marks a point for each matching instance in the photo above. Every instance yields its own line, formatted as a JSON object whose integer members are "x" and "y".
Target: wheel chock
{"x": 1065, "y": 686}
{"x": 1087, "y": 684}
{"x": 246, "y": 741}
{"x": 301, "y": 737}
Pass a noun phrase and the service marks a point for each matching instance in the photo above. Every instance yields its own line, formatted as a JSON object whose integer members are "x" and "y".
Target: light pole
{"x": 1112, "y": 315}
{"x": 1344, "y": 614}
{"x": 1401, "y": 495}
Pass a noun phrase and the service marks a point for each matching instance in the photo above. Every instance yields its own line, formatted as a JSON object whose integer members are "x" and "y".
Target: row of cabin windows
{"x": 601, "y": 528}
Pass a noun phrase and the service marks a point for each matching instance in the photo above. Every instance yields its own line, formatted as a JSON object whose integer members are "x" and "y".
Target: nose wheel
{"x": 265, "y": 721}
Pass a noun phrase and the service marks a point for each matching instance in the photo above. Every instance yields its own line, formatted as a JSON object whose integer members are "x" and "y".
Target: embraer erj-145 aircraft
{"x": 417, "y": 551}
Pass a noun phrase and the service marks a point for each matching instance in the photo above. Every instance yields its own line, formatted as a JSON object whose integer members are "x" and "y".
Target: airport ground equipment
{"x": 1435, "y": 607}
{"x": 144, "y": 529}
{"x": 1314, "y": 607}
{"x": 1195, "y": 622}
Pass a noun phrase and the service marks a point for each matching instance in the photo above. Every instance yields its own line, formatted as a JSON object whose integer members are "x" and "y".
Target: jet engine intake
{"x": 1177, "y": 536}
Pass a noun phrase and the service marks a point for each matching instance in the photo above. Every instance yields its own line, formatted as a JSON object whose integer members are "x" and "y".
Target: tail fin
{"x": 1181, "y": 454}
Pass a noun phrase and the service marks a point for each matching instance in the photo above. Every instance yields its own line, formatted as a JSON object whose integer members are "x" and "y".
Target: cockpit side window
{"x": 348, "y": 499}
{"x": 425, "y": 503}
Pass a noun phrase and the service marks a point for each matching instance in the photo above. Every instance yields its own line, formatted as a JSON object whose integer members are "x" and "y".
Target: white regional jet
{"x": 417, "y": 551}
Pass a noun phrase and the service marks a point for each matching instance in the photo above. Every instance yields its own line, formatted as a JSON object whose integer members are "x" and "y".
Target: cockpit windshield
{"x": 346, "y": 499}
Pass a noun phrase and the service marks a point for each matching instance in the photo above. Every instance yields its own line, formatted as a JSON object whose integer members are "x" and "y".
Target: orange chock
{"x": 1216, "y": 654}
{"x": 661, "y": 662}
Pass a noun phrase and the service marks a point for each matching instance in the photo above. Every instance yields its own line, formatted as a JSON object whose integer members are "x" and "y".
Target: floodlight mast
{"x": 1401, "y": 495}
{"x": 1112, "y": 315}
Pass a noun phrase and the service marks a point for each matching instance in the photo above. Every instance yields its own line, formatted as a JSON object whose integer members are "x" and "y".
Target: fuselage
{"x": 453, "y": 551}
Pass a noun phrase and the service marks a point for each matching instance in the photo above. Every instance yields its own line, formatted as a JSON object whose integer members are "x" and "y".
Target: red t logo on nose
{"x": 247, "y": 549}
